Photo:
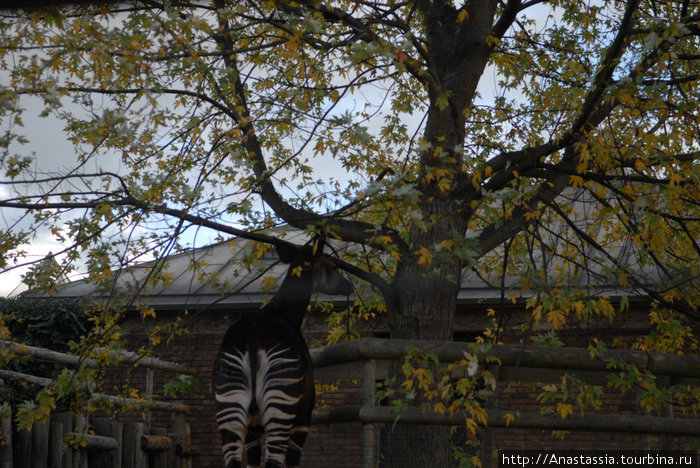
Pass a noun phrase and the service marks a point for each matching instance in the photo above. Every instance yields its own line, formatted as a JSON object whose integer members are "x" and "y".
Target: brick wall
{"x": 327, "y": 444}
{"x": 339, "y": 445}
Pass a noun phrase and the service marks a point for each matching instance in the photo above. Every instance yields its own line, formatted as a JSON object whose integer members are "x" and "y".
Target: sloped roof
{"x": 241, "y": 286}
{"x": 222, "y": 281}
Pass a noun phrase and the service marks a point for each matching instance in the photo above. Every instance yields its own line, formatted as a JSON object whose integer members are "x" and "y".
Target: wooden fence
{"x": 76, "y": 441}
{"x": 99, "y": 442}
{"x": 518, "y": 363}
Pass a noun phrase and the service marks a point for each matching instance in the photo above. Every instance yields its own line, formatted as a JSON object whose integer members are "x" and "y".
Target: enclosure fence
{"x": 516, "y": 363}
{"x": 94, "y": 441}
{"x": 100, "y": 442}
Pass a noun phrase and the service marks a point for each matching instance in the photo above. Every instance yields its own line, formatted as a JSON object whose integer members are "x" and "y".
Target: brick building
{"x": 207, "y": 311}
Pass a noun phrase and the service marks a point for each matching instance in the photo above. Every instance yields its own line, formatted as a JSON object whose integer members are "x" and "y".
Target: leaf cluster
{"x": 51, "y": 324}
{"x": 460, "y": 388}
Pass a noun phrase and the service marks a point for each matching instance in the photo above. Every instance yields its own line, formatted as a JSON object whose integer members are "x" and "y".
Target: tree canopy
{"x": 540, "y": 141}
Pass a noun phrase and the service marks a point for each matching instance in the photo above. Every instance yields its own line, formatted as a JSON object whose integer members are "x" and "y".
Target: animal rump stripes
{"x": 263, "y": 388}
{"x": 263, "y": 380}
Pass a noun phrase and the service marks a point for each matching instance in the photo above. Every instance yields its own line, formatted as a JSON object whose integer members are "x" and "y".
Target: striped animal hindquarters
{"x": 233, "y": 397}
{"x": 260, "y": 389}
{"x": 263, "y": 380}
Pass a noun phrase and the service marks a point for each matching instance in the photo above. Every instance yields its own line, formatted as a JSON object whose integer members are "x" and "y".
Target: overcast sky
{"x": 54, "y": 153}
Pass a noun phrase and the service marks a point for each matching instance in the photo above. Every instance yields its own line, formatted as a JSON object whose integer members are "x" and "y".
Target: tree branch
{"x": 592, "y": 113}
{"x": 365, "y": 34}
{"x": 353, "y": 231}
{"x": 497, "y": 233}
{"x": 614, "y": 261}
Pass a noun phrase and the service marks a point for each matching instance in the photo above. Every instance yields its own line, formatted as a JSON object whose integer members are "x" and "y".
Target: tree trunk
{"x": 426, "y": 304}
{"x": 428, "y": 316}
{"x": 427, "y": 279}
{"x": 423, "y": 309}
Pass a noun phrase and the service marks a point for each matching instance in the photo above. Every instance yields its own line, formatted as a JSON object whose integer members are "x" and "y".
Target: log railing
{"x": 125, "y": 445}
{"x": 517, "y": 363}
{"x": 524, "y": 356}
{"x": 125, "y": 357}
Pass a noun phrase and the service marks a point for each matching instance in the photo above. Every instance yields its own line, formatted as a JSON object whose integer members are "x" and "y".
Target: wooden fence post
{"x": 5, "y": 436}
{"x": 55, "y": 444}
{"x": 157, "y": 447}
{"x": 22, "y": 448}
{"x": 150, "y": 377}
{"x": 183, "y": 441}
{"x": 369, "y": 384}
{"x": 668, "y": 441}
{"x": 40, "y": 444}
{"x": 132, "y": 455}
{"x": 66, "y": 420}
{"x": 177, "y": 434}
{"x": 80, "y": 456}
{"x": 116, "y": 455}
{"x": 101, "y": 458}
{"x": 488, "y": 443}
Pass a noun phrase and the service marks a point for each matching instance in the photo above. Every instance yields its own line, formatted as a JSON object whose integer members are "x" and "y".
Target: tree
{"x": 519, "y": 138}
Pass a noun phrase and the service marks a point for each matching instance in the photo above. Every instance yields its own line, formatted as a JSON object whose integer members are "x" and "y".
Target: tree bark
{"x": 424, "y": 305}
{"x": 424, "y": 309}
{"x": 427, "y": 279}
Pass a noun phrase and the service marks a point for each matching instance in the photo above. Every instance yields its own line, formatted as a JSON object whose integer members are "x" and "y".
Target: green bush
{"x": 46, "y": 323}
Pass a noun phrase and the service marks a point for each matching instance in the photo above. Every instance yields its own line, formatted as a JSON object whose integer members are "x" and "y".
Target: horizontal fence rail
{"x": 126, "y": 357}
{"x": 520, "y": 419}
{"x": 525, "y": 356}
{"x": 146, "y": 403}
{"x": 510, "y": 358}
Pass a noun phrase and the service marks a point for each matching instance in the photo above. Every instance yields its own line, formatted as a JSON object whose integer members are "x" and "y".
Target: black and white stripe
{"x": 262, "y": 387}
{"x": 263, "y": 380}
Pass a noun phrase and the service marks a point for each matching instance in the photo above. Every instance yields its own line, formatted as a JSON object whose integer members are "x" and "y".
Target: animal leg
{"x": 280, "y": 388}
{"x": 233, "y": 398}
{"x": 233, "y": 447}
{"x": 295, "y": 445}
{"x": 253, "y": 446}
{"x": 275, "y": 446}
{"x": 233, "y": 423}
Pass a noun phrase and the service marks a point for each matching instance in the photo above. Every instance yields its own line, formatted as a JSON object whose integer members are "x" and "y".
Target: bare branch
{"x": 348, "y": 230}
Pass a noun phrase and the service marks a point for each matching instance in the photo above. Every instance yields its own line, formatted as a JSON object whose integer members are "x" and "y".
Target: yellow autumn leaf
{"x": 564, "y": 409}
{"x": 444, "y": 185}
{"x": 447, "y": 245}
{"x": 624, "y": 280}
{"x": 556, "y": 318}
{"x": 509, "y": 418}
{"x": 425, "y": 256}
{"x": 576, "y": 181}
{"x": 675, "y": 179}
{"x": 476, "y": 176}
{"x": 670, "y": 296}
{"x": 146, "y": 311}
{"x": 105, "y": 211}
{"x": 641, "y": 165}
{"x": 629, "y": 191}
{"x": 269, "y": 283}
